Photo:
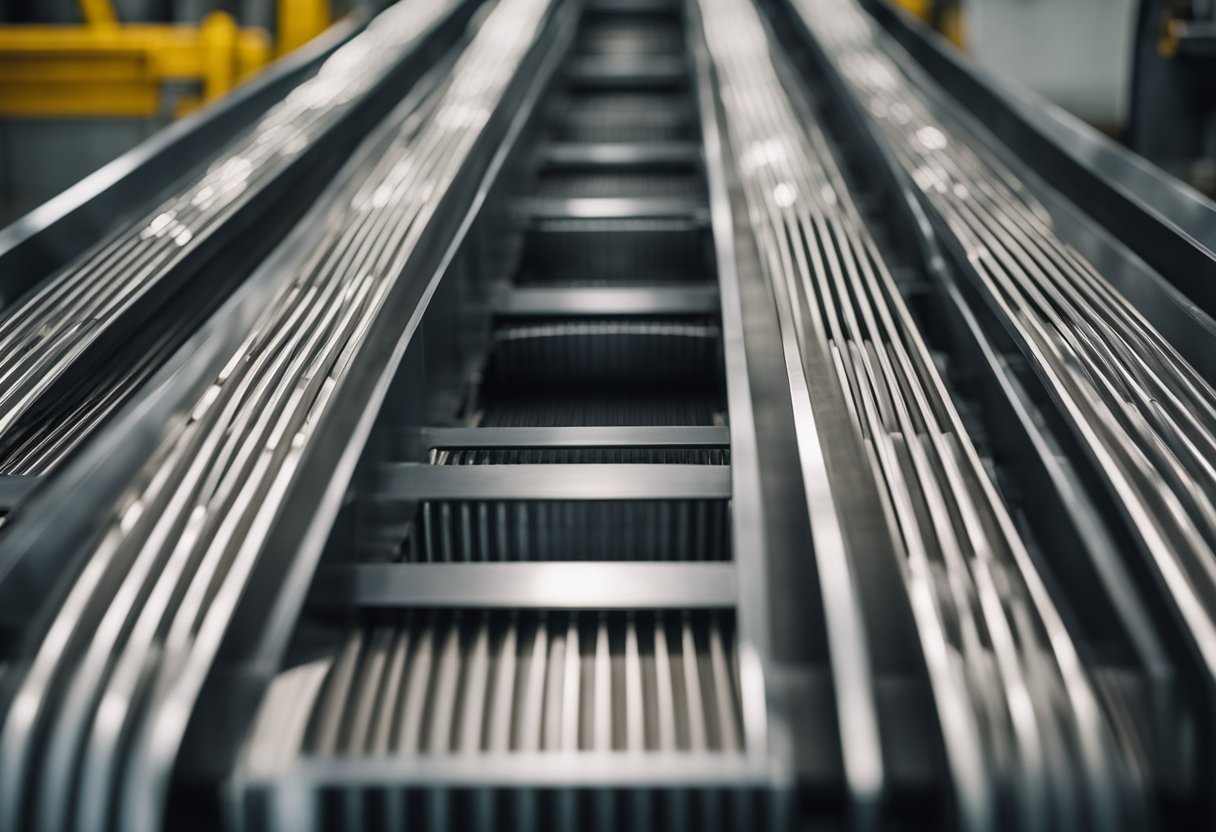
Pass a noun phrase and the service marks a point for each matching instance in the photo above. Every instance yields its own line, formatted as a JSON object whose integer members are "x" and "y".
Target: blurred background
{"x": 81, "y": 81}
{"x": 1142, "y": 71}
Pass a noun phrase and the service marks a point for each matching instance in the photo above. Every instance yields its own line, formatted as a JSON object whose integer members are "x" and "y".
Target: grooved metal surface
{"x": 675, "y": 354}
{"x": 609, "y": 302}
{"x": 626, "y": 252}
{"x": 449, "y": 683}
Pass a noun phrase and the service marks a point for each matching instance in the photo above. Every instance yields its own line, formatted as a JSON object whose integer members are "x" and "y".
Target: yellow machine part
{"x": 921, "y": 8}
{"x": 106, "y": 69}
{"x": 299, "y": 21}
{"x": 947, "y": 18}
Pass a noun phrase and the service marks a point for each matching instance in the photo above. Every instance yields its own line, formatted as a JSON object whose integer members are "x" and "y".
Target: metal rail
{"x": 182, "y": 541}
{"x": 594, "y": 453}
{"x": 1145, "y": 416}
{"x": 965, "y": 561}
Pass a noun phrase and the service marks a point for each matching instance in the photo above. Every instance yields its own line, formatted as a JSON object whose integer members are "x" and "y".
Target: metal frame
{"x": 103, "y": 69}
{"x": 589, "y": 586}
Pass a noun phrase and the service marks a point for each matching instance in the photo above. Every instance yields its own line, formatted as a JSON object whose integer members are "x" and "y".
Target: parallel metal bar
{"x": 576, "y": 437}
{"x": 545, "y": 769}
{"x": 620, "y": 153}
{"x": 555, "y": 586}
{"x": 596, "y": 208}
{"x": 413, "y": 482}
{"x": 630, "y": 300}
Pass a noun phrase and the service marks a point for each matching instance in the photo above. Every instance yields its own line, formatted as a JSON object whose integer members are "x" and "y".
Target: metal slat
{"x": 576, "y": 437}
{"x": 678, "y": 770}
{"x": 597, "y": 208}
{"x": 557, "y": 586}
{"x": 413, "y": 482}
{"x": 623, "y": 154}
{"x": 625, "y": 300}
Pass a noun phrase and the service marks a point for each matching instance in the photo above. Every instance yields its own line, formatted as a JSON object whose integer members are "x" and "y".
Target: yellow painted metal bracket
{"x": 922, "y": 9}
{"x": 947, "y": 18}
{"x": 104, "y": 69}
{"x": 299, "y": 21}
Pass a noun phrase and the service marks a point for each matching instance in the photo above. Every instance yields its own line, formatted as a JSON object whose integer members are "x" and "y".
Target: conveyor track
{"x": 80, "y": 746}
{"x": 596, "y": 432}
{"x": 976, "y": 591}
{"x": 1145, "y": 415}
{"x": 75, "y": 349}
{"x": 674, "y": 414}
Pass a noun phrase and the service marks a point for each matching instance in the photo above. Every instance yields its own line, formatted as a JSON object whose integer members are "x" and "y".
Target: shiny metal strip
{"x": 608, "y": 301}
{"x": 415, "y": 481}
{"x": 552, "y": 585}
{"x": 539, "y": 209}
{"x": 619, "y": 154}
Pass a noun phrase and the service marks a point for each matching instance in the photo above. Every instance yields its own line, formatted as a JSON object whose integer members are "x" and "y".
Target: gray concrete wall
{"x": 1076, "y": 53}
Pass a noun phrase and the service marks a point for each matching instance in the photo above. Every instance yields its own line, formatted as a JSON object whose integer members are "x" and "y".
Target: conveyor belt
{"x": 632, "y": 391}
{"x": 673, "y": 414}
{"x": 213, "y": 477}
{"x": 1145, "y": 415}
{"x": 976, "y": 592}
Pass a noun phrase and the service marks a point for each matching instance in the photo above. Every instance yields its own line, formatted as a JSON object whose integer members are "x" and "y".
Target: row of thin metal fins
{"x": 601, "y": 407}
{"x": 487, "y": 809}
{"x": 589, "y": 184}
{"x": 603, "y": 35}
{"x": 459, "y": 682}
{"x": 611, "y": 116}
{"x": 633, "y": 355}
{"x": 579, "y": 456}
{"x": 1025, "y": 733}
{"x": 548, "y": 530}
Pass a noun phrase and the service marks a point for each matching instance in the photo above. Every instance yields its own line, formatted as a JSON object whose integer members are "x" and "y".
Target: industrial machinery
{"x": 612, "y": 414}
